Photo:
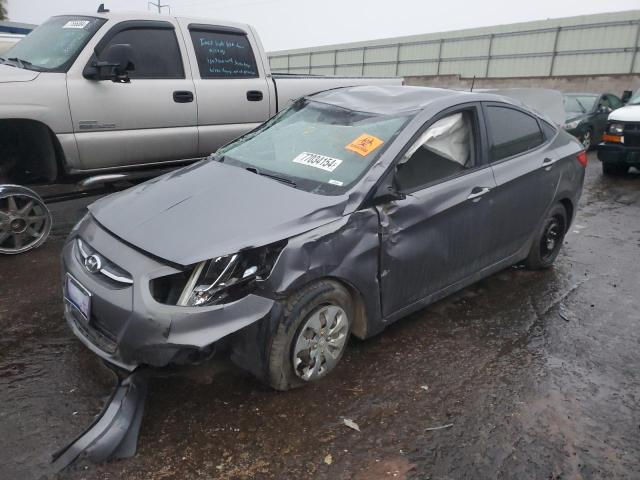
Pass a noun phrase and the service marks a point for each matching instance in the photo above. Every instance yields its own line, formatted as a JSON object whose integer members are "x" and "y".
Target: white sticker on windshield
{"x": 76, "y": 24}
{"x": 318, "y": 161}
{"x": 336, "y": 182}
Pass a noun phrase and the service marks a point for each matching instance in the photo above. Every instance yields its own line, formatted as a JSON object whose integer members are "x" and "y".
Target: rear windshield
{"x": 321, "y": 148}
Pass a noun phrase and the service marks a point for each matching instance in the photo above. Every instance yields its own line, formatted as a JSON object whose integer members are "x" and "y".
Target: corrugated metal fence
{"x": 588, "y": 45}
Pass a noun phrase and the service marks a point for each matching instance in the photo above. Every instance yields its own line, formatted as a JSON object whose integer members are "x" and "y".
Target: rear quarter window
{"x": 511, "y": 132}
{"x": 223, "y": 55}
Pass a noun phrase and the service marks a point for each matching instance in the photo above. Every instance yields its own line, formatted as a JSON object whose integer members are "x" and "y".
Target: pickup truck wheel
{"x": 312, "y": 336}
{"x": 548, "y": 240}
{"x": 614, "y": 169}
{"x": 25, "y": 221}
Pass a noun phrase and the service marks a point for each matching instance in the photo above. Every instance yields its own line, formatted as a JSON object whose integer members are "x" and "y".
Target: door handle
{"x": 182, "y": 96}
{"x": 547, "y": 162}
{"x": 477, "y": 192}
{"x": 254, "y": 95}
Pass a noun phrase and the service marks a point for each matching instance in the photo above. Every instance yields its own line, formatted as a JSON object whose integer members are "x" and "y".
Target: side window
{"x": 223, "y": 54}
{"x": 511, "y": 132}
{"x": 156, "y": 54}
{"x": 445, "y": 149}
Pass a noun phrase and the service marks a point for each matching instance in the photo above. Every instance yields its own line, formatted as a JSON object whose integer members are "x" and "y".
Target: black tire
{"x": 548, "y": 240}
{"x": 614, "y": 169}
{"x": 299, "y": 308}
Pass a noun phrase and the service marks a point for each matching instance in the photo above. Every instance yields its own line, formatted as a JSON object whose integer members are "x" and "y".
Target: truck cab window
{"x": 445, "y": 149}
{"x": 223, "y": 55}
{"x": 156, "y": 52}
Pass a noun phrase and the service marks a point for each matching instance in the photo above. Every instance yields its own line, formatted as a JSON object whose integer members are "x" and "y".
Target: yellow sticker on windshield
{"x": 364, "y": 144}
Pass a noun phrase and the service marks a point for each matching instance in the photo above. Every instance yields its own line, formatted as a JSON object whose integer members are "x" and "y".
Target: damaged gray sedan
{"x": 347, "y": 211}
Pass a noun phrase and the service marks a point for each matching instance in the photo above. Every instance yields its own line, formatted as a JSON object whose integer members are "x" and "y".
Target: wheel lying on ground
{"x": 548, "y": 240}
{"x": 25, "y": 221}
{"x": 614, "y": 169}
{"x": 312, "y": 337}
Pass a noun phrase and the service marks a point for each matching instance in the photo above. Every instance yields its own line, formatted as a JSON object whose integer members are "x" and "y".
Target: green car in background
{"x": 586, "y": 115}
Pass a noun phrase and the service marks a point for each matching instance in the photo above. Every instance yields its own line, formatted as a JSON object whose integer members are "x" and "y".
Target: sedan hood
{"x": 571, "y": 116}
{"x": 15, "y": 74}
{"x": 211, "y": 209}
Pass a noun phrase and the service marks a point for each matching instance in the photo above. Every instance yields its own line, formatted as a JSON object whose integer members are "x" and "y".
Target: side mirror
{"x": 115, "y": 63}
{"x": 386, "y": 193}
{"x": 604, "y": 109}
{"x": 626, "y": 96}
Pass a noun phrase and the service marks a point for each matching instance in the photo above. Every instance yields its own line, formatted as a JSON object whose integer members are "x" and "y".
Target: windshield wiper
{"x": 584, "y": 110}
{"x": 285, "y": 180}
{"x": 25, "y": 64}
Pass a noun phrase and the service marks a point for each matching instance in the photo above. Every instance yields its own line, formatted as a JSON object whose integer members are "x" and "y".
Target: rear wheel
{"x": 312, "y": 336}
{"x": 614, "y": 169}
{"x": 548, "y": 241}
{"x": 25, "y": 221}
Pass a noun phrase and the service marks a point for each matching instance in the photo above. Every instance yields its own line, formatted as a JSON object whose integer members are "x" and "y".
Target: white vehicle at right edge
{"x": 620, "y": 147}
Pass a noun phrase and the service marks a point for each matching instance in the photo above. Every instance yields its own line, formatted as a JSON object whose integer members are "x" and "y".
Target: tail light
{"x": 582, "y": 158}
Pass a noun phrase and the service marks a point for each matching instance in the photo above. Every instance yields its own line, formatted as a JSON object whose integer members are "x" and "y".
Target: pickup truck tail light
{"x": 582, "y": 158}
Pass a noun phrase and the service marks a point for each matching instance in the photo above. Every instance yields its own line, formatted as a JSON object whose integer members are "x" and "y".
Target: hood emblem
{"x": 93, "y": 263}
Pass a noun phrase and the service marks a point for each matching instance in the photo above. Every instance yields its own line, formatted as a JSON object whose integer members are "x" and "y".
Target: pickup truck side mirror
{"x": 114, "y": 63}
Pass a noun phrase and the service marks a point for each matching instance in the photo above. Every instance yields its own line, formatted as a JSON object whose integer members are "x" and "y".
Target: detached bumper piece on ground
{"x": 114, "y": 433}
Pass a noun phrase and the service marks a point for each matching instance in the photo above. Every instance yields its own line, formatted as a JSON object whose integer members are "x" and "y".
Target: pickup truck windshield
{"x": 316, "y": 147}
{"x": 55, "y": 44}
{"x": 635, "y": 100}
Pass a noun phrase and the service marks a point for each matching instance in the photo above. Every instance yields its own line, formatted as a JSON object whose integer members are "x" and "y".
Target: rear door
{"x": 230, "y": 82}
{"x": 438, "y": 235}
{"x": 146, "y": 120}
{"x": 526, "y": 173}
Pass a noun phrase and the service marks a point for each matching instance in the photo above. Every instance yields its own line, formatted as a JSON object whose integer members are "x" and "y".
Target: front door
{"x": 151, "y": 119}
{"x": 437, "y": 236}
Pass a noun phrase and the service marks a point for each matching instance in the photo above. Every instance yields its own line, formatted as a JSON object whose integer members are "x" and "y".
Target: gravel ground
{"x": 535, "y": 375}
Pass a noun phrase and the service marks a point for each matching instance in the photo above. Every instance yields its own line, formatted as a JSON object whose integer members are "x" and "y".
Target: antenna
{"x": 159, "y": 6}
{"x": 101, "y": 9}
{"x": 472, "y": 83}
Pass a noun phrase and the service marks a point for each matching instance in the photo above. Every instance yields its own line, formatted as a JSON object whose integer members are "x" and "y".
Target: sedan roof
{"x": 384, "y": 100}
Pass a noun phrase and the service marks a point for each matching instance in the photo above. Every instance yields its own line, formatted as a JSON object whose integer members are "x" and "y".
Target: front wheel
{"x": 312, "y": 335}
{"x": 548, "y": 240}
{"x": 587, "y": 139}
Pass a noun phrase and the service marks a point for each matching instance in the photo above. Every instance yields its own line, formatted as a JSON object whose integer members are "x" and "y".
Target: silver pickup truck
{"x": 84, "y": 95}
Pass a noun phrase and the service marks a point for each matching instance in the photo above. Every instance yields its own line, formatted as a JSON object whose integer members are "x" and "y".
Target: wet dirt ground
{"x": 535, "y": 375}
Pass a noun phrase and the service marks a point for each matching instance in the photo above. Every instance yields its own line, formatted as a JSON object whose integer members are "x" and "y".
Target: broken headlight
{"x": 230, "y": 277}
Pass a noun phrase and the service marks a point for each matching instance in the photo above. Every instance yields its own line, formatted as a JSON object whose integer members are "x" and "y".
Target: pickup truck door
{"x": 151, "y": 119}
{"x": 234, "y": 95}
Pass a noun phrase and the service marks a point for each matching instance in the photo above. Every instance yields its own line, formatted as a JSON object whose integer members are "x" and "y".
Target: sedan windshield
{"x": 314, "y": 146}
{"x": 579, "y": 103}
{"x": 55, "y": 44}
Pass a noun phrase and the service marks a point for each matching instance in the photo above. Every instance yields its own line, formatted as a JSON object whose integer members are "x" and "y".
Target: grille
{"x": 106, "y": 268}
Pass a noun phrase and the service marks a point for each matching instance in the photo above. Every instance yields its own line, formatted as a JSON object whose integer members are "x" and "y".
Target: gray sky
{"x": 284, "y": 24}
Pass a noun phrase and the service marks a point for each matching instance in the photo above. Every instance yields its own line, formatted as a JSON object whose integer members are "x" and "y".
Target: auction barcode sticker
{"x": 76, "y": 24}
{"x": 318, "y": 161}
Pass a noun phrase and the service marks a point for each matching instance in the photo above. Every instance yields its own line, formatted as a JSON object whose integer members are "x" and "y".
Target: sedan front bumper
{"x": 127, "y": 327}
